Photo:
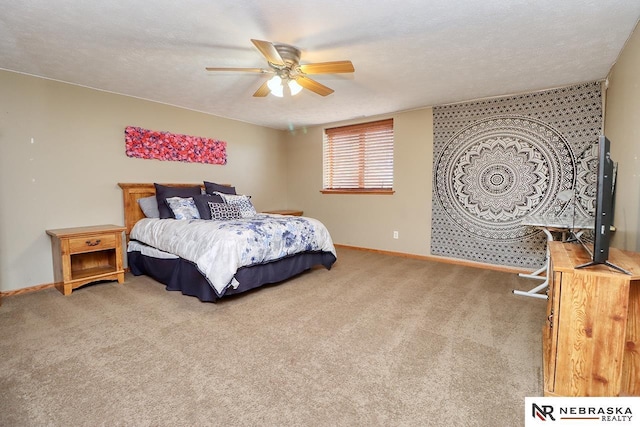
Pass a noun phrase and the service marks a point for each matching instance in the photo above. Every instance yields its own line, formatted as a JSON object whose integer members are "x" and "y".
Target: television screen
{"x": 604, "y": 207}
{"x": 604, "y": 203}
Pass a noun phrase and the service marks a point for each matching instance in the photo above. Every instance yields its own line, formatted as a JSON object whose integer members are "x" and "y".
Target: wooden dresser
{"x": 591, "y": 337}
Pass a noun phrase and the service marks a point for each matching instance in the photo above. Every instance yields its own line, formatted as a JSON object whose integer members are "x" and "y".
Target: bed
{"x": 213, "y": 259}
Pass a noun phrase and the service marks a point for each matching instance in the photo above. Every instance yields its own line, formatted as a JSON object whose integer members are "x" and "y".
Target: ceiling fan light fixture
{"x": 284, "y": 63}
{"x": 275, "y": 86}
{"x": 294, "y": 87}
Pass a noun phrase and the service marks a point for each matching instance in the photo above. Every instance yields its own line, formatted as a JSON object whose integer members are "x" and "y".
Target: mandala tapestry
{"x": 501, "y": 159}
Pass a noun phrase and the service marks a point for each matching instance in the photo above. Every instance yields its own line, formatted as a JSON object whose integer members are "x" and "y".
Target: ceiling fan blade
{"x": 248, "y": 70}
{"x": 268, "y": 50}
{"x": 328, "y": 67}
{"x": 314, "y": 86}
{"x": 263, "y": 90}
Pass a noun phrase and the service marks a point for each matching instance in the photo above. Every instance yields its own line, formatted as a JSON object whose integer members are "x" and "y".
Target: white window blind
{"x": 359, "y": 157}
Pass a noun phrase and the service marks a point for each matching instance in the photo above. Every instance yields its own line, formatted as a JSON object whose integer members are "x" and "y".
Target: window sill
{"x": 382, "y": 191}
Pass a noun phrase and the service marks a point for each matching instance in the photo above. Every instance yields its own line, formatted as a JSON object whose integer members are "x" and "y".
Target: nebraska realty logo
{"x": 582, "y": 411}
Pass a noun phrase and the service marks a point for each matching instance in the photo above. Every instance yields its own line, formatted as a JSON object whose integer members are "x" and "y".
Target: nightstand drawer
{"x": 92, "y": 243}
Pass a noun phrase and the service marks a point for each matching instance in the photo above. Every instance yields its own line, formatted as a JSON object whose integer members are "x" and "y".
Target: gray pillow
{"x": 149, "y": 206}
{"x": 212, "y": 187}
{"x": 163, "y": 192}
{"x": 203, "y": 207}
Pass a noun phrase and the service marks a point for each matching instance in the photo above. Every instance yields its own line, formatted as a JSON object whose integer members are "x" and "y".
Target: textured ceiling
{"x": 407, "y": 54}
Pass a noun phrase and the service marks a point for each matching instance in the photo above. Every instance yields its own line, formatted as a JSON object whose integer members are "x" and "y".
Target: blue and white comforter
{"x": 220, "y": 248}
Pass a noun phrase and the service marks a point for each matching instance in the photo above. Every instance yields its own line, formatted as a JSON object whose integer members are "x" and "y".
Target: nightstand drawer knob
{"x": 93, "y": 243}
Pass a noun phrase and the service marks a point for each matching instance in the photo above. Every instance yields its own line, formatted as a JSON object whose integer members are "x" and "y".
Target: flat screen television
{"x": 604, "y": 208}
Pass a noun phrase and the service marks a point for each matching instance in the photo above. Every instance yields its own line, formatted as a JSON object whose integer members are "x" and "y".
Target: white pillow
{"x": 183, "y": 208}
{"x": 240, "y": 201}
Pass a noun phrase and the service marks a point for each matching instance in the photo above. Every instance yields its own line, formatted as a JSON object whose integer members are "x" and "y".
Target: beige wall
{"x": 68, "y": 176}
{"x": 622, "y": 127}
{"x": 369, "y": 220}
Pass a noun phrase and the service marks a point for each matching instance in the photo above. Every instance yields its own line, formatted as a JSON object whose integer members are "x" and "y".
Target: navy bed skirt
{"x": 182, "y": 275}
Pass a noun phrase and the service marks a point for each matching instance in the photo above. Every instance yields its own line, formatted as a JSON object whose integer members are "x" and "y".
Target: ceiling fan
{"x": 289, "y": 74}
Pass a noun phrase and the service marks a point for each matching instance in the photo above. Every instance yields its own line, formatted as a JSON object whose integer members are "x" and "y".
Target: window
{"x": 358, "y": 158}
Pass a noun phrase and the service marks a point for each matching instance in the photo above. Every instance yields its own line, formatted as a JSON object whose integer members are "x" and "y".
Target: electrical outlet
{"x": 395, "y": 235}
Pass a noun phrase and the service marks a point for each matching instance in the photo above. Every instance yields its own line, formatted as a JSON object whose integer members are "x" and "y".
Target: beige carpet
{"x": 376, "y": 341}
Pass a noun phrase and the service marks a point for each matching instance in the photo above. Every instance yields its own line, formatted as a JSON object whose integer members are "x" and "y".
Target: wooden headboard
{"x": 131, "y": 192}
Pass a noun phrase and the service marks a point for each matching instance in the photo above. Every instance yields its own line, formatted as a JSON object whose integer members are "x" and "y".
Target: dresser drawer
{"x": 92, "y": 243}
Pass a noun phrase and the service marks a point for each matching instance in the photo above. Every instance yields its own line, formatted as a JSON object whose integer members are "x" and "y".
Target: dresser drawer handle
{"x": 94, "y": 243}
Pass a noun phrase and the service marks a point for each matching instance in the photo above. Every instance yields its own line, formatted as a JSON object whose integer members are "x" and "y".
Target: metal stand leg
{"x": 535, "y": 292}
{"x": 537, "y": 274}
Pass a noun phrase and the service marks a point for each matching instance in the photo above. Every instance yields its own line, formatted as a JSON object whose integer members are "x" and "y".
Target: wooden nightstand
{"x": 285, "y": 212}
{"x": 83, "y": 255}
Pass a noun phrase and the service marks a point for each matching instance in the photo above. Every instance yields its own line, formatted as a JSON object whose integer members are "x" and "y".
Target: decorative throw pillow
{"x": 164, "y": 192}
{"x": 203, "y": 206}
{"x": 240, "y": 201}
{"x": 223, "y": 211}
{"x": 183, "y": 208}
{"x": 149, "y": 206}
{"x": 212, "y": 187}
